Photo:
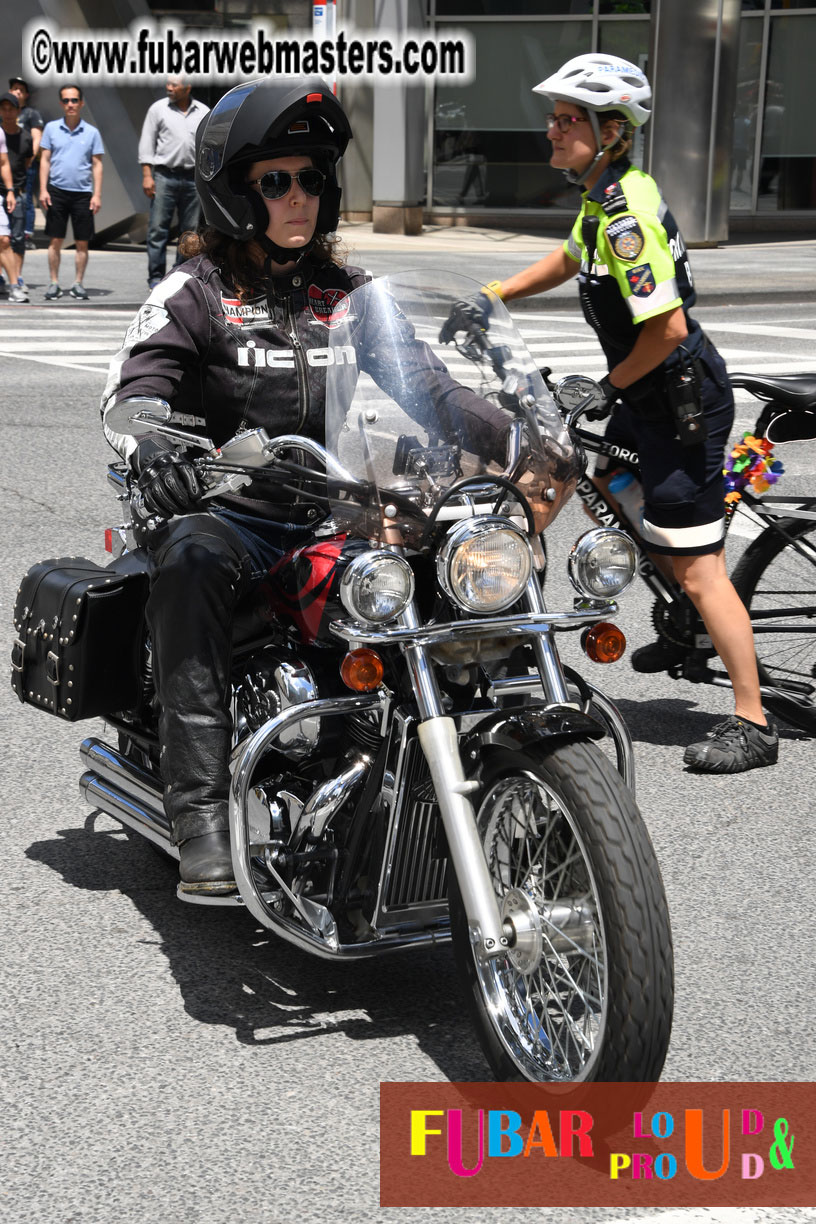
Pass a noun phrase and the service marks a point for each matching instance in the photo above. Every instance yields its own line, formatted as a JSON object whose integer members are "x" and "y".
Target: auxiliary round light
{"x": 377, "y": 586}
{"x": 602, "y": 563}
{"x": 362, "y": 670}
{"x": 604, "y": 642}
{"x": 484, "y": 564}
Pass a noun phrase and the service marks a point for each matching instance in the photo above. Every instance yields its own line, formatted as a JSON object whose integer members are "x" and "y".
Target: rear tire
{"x": 775, "y": 574}
{"x": 587, "y": 992}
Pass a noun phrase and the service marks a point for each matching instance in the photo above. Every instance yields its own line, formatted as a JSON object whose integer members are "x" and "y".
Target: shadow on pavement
{"x": 232, "y": 972}
{"x": 678, "y": 723}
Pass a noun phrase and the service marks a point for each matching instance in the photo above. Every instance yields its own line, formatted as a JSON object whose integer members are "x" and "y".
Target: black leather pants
{"x": 201, "y": 571}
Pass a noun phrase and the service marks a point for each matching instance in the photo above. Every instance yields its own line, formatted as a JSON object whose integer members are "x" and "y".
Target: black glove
{"x": 611, "y": 397}
{"x": 169, "y": 484}
{"x": 471, "y": 316}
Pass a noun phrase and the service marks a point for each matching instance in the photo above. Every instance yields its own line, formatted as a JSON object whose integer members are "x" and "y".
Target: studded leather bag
{"x": 78, "y": 638}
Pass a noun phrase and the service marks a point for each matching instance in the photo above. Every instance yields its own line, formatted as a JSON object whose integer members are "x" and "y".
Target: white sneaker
{"x": 18, "y": 293}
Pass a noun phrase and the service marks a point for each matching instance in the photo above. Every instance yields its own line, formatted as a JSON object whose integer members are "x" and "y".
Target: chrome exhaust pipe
{"x": 124, "y": 791}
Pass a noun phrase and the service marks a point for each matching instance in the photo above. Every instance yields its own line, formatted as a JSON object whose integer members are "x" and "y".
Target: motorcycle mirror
{"x": 144, "y": 415}
{"x": 575, "y": 393}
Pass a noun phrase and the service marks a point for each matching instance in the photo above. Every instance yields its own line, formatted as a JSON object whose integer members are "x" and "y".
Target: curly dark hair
{"x": 243, "y": 262}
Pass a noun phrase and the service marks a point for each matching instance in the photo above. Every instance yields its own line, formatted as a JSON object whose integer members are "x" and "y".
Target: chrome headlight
{"x": 484, "y": 564}
{"x": 377, "y": 587}
{"x": 602, "y": 563}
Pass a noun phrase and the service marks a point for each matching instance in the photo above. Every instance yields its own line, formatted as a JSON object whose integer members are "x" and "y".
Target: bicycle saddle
{"x": 796, "y": 391}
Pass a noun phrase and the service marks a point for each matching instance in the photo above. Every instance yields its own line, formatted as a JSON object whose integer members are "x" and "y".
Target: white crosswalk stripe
{"x": 68, "y": 337}
{"x": 87, "y": 339}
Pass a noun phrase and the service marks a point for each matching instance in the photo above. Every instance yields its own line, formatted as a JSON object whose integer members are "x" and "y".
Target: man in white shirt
{"x": 167, "y": 157}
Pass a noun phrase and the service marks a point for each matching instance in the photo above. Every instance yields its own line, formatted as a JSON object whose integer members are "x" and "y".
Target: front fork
{"x": 490, "y": 935}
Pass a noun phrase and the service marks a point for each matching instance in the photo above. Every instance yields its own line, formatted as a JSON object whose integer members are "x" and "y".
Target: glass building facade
{"x": 489, "y": 152}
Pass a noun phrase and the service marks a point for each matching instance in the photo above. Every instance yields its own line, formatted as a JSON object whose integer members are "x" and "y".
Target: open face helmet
{"x": 600, "y": 83}
{"x": 261, "y": 120}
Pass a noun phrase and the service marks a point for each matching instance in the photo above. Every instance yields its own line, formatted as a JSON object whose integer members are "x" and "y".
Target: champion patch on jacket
{"x": 328, "y": 306}
{"x": 641, "y": 280}
{"x": 245, "y": 314}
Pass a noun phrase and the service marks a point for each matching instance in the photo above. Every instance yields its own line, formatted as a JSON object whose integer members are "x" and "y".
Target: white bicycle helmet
{"x": 600, "y": 83}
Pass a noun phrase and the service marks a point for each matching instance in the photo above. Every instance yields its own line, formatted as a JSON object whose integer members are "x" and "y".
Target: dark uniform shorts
{"x": 69, "y": 204}
{"x": 684, "y": 494}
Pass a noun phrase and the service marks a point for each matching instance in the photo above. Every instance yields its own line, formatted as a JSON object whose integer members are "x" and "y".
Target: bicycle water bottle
{"x": 628, "y": 493}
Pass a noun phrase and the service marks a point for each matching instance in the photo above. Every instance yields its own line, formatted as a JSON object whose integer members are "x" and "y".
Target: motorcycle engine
{"x": 272, "y": 681}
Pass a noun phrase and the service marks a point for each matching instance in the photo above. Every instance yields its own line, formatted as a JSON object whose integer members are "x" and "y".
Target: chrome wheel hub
{"x": 519, "y": 910}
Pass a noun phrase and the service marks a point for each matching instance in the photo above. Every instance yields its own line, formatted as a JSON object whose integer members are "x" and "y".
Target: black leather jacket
{"x": 223, "y": 365}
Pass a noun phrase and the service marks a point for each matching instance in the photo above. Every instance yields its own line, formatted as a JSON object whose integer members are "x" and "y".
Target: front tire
{"x": 587, "y": 992}
{"x": 776, "y": 580}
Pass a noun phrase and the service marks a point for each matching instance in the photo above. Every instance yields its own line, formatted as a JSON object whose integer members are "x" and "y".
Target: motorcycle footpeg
{"x": 233, "y": 898}
{"x": 205, "y": 898}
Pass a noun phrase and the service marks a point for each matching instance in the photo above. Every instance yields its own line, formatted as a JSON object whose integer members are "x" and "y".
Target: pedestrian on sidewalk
{"x": 31, "y": 121}
{"x": 167, "y": 157}
{"x": 6, "y": 258}
{"x": 70, "y": 187}
{"x": 19, "y": 148}
{"x": 667, "y": 383}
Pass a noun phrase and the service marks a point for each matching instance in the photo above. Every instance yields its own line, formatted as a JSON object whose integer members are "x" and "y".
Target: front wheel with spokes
{"x": 585, "y": 992}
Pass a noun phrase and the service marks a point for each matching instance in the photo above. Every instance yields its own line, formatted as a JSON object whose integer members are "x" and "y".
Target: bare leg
{"x": 705, "y": 580}
{"x": 81, "y": 260}
{"x": 7, "y": 259}
{"x": 54, "y": 253}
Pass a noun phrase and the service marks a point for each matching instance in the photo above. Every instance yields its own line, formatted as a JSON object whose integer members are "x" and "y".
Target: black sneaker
{"x": 658, "y": 656}
{"x": 78, "y": 291}
{"x": 733, "y": 746}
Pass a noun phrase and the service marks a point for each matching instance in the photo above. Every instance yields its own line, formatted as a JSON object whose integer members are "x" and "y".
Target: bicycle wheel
{"x": 776, "y": 580}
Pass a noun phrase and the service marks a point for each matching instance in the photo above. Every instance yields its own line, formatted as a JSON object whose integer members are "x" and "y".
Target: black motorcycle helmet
{"x": 260, "y": 120}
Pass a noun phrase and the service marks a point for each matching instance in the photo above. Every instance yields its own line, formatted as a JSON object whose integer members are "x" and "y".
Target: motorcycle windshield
{"x": 420, "y": 397}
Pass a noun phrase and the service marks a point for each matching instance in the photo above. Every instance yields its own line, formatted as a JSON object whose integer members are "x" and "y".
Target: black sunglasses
{"x": 275, "y": 184}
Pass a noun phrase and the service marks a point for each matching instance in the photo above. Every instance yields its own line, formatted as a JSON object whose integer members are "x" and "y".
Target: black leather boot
{"x": 199, "y": 576}
{"x": 205, "y": 865}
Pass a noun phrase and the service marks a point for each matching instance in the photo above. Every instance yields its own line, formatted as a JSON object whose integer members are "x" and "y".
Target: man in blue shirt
{"x": 70, "y": 186}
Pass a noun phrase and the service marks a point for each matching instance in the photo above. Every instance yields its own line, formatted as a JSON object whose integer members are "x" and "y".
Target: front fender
{"x": 518, "y": 729}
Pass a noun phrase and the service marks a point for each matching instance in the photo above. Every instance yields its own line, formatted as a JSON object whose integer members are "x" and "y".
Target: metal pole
{"x": 693, "y": 67}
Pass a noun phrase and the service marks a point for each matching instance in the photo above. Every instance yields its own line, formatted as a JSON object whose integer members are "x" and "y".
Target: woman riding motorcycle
{"x": 236, "y": 338}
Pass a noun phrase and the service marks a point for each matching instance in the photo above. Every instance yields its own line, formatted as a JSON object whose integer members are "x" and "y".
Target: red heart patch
{"x": 328, "y": 306}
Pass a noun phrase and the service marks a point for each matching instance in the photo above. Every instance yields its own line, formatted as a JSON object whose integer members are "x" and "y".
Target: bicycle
{"x": 776, "y": 575}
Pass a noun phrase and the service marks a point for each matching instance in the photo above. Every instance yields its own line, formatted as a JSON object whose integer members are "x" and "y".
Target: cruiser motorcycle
{"x": 412, "y": 761}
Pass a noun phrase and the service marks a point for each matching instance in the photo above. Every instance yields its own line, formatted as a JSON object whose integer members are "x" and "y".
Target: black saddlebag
{"x": 79, "y": 638}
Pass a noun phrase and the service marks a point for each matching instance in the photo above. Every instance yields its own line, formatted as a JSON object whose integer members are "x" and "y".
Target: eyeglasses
{"x": 70, "y": 101}
{"x": 563, "y": 122}
{"x": 275, "y": 184}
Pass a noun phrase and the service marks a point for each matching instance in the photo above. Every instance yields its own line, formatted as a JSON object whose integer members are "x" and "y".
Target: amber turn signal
{"x": 603, "y": 643}
{"x": 362, "y": 670}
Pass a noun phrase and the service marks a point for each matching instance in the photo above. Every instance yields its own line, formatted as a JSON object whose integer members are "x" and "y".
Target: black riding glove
{"x": 472, "y": 316}
{"x": 611, "y": 397}
{"x": 169, "y": 484}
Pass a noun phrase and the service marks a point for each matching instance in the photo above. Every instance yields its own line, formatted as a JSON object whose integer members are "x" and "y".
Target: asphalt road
{"x": 162, "y": 1061}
